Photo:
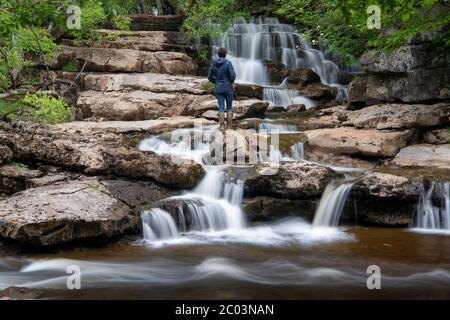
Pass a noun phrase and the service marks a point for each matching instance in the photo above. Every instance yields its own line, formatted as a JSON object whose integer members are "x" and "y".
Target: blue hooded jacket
{"x": 222, "y": 74}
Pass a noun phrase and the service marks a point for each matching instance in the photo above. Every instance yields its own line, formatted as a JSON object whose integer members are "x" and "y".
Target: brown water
{"x": 412, "y": 265}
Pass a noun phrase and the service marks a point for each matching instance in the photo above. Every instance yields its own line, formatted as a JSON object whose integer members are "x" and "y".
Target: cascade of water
{"x": 212, "y": 206}
{"x": 298, "y": 151}
{"x": 332, "y": 203}
{"x": 434, "y": 215}
{"x": 249, "y": 44}
{"x": 158, "y": 224}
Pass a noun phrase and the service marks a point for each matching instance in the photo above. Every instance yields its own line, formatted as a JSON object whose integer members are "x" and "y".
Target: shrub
{"x": 47, "y": 109}
{"x": 70, "y": 66}
{"x": 122, "y": 23}
{"x": 92, "y": 15}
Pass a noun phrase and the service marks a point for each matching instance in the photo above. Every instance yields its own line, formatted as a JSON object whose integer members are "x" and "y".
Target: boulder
{"x": 135, "y": 105}
{"x": 123, "y": 60}
{"x": 296, "y": 108}
{"x": 99, "y": 152}
{"x": 291, "y": 180}
{"x": 356, "y": 95}
{"x": 249, "y": 91}
{"x": 135, "y": 40}
{"x": 276, "y": 109}
{"x": 154, "y": 82}
{"x": 241, "y": 109}
{"x": 6, "y": 154}
{"x": 318, "y": 91}
{"x": 369, "y": 143}
{"x": 439, "y": 136}
{"x": 424, "y": 155}
{"x": 147, "y": 22}
{"x": 276, "y": 71}
{"x": 401, "y": 116}
{"x": 61, "y": 213}
{"x": 386, "y": 186}
{"x": 302, "y": 77}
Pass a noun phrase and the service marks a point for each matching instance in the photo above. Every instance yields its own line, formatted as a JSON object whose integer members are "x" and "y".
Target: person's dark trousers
{"x": 225, "y": 97}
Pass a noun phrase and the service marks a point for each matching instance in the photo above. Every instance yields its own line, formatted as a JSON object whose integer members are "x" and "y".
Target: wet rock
{"x": 369, "y": 143}
{"x": 423, "y": 155}
{"x": 154, "y": 82}
{"x": 402, "y": 116}
{"x": 291, "y": 180}
{"x": 135, "y": 105}
{"x": 356, "y": 96}
{"x": 6, "y": 154}
{"x": 303, "y": 77}
{"x": 19, "y": 293}
{"x": 98, "y": 152}
{"x": 123, "y": 60}
{"x": 439, "y": 136}
{"x": 62, "y": 213}
{"x": 318, "y": 91}
{"x": 135, "y": 40}
{"x": 296, "y": 108}
{"x": 249, "y": 91}
{"x": 265, "y": 209}
{"x": 276, "y": 70}
{"x": 276, "y": 109}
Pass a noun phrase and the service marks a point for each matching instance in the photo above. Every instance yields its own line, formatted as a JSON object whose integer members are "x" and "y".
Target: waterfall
{"x": 298, "y": 151}
{"x": 158, "y": 224}
{"x": 332, "y": 203}
{"x": 213, "y": 205}
{"x": 251, "y": 43}
{"x": 433, "y": 214}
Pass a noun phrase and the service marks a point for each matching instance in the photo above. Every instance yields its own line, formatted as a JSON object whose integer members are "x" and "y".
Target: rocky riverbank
{"x": 88, "y": 180}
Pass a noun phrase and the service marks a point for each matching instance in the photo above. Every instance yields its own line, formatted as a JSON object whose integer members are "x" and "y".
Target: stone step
{"x": 154, "y": 82}
{"x": 125, "y": 60}
{"x": 135, "y": 40}
{"x": 135, "y": 105}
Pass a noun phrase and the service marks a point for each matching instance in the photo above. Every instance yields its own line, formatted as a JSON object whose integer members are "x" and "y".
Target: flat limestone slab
{"x": 370, "y": 143}
{"x": 62, "y": 213}
{"x": 424, "y": 155}
{"x": 151, "y": 126}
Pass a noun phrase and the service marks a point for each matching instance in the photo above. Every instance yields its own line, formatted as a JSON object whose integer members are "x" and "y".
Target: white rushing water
{"x": 332, "y": 203}
{"x": 250, "y": 43}
{"x": 433, "y": 207}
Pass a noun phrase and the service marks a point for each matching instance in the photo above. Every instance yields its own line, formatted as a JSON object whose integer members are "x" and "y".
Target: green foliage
{"x": 344, "y": 23}
{"x": 47, "y": 109}
{"x": 20, "y": 165}
{"x": 70, "y": 66}
{"x": 11, "y": 64}
{"x": 122, "y": 23}
{"x": 35, "y": 40}
{"x": 92, "y": 16}
{"x": 208, "y": 18}
{"x": 208, "y": 86}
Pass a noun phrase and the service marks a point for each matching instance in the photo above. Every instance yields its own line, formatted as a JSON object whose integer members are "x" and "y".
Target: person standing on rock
{"x": 222, "y": 74}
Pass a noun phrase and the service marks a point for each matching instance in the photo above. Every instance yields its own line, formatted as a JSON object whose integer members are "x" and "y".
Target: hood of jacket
{"x": 219, "y": 62}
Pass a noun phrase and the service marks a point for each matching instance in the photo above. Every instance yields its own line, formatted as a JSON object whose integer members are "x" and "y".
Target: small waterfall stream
{"x": 433, "y": 214}
{"x": 332, "y": 203}
{"x": 250, "y": 44}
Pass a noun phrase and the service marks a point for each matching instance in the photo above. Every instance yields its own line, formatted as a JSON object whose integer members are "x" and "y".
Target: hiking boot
{"x": 222, "y": 121}
{"x": 230, "y": 120}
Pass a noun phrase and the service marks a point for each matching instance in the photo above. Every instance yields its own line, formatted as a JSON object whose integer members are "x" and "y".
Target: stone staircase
{"x": 142, "y": 74}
